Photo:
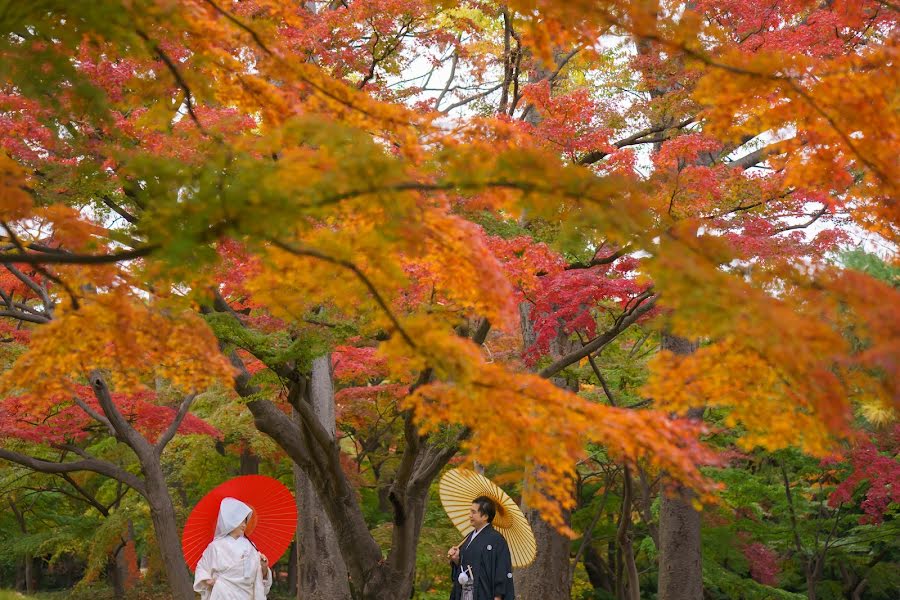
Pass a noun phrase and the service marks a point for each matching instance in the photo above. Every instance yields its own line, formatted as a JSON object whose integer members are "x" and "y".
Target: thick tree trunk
{"x": 165, "y": 526}
{"x": 549, "y": 576}
{"x": 315, "y": 451}
{"x": 680, "y": 568}
{"x": 322, "y": 466}
{"x": 322, "y": 574}
{"x": 409, "y": 513}
{"x": 680, "y": 565}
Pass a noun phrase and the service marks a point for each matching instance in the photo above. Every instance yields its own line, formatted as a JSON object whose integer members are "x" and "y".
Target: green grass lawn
{"x": 13, "y": 595}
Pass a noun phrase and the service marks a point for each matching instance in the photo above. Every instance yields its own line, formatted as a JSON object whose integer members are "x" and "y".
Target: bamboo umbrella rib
{"x": 459, "y": 487}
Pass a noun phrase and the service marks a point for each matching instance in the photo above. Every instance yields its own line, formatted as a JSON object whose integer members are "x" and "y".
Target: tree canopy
{"x": 479, "y": 212}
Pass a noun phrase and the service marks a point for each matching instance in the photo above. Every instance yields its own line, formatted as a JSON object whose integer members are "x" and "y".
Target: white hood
{"x": 232, "y": 513}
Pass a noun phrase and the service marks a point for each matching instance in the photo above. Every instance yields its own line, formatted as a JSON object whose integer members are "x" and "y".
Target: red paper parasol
{"x": 271, "y": 527}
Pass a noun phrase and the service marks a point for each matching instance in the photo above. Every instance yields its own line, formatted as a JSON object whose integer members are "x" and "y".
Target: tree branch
{"x": 97, "y": 466}
{"x": 465, "y": 101}
{"x": 96, "y": 416}
{"x": 167, "y": 436}
{"x": 313, "y": 253}
{"x": 759, "y": 155}
{"x": 645, "y": 302}
{"x": 90, "y": 499}
{"x": 179, "y": 79}
{"x": 32, "y": 284}
{"x": 23, "y": 316}
{"x": 119, "y": 210}
{"x": 605, "y": 260}
{"x": 634, "y": 139}
{"x": 813, "y": 218}
{"x": 67, "y": 258}
{"x": 117, "y": 421}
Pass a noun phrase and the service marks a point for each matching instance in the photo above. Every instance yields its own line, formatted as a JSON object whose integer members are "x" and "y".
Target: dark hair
{"x": 486, "y": 507}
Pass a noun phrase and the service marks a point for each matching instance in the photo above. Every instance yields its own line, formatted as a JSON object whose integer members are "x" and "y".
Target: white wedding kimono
{"x": 232, "y": 563}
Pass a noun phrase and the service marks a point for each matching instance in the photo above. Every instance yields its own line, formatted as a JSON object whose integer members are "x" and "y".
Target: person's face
{"x": 239, "y": 530}
{"x": 476, "y": 518}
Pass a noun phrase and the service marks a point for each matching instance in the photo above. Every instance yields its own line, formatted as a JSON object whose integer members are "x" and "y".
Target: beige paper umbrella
{"x": 459, "y": 487}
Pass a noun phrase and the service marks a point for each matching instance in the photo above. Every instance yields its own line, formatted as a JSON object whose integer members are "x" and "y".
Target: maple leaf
{"x": 124, "y": 336}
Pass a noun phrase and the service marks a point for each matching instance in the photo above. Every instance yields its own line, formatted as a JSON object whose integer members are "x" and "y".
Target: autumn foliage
{"x": 203, "y": 197}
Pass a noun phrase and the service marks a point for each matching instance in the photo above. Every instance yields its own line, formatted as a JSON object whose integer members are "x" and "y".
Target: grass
{"x": 14, "y": 595}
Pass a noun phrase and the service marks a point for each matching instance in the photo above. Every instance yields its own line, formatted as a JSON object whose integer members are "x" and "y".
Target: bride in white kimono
{"x": 231, "y": 568}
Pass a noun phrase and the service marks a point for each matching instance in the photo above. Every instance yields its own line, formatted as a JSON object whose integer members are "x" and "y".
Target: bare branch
{"x": 813, "y": 218}
{"x": 119, "y": 210}
{"x": 167, "y": 436}
{"x": 96, "y": 416}
{"x": 123, "y": 428}
{"x": 637, "y": 138}
{"x": 32, "y": 284}
{"x": 759, "y": 155}
{"x": 84, "y": 495}
{"x": 36, "y": 258}
{"x": 450, "y": 78}
{"x": 97, "y": 466}
{"x": 179, "y": 79}
{"x": 604, "y": 260}
{"x": 23, "y": 316}
{"x": 465, "y": 101}
{"x": 240, "y": 25}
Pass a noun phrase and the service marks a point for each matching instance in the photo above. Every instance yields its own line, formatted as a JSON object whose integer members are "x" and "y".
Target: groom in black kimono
{"x": 482, "y": 556}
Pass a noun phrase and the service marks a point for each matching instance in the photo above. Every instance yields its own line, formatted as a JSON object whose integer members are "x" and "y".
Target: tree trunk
{"x": 810, "y": 586}
{"x": 165, "y": 526}
{"x": 624, "y": 539}
{"x": 249, "y": 463}
{"x": 29, "y": 575}
{"x": 598, "y": 572}
{"x": 409, "y": 514}
{"x": 117, "y": 570}
{"x": 28, "y": 566}
{"x": 293, "y": 567}
{"x": 680, "y": 565}
{"x": 549, "y": 576}
{"x": 371, "y": 577}
{"x": 322, "y": 574}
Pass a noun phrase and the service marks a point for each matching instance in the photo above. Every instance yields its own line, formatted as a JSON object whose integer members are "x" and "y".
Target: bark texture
{"x": 680, "y": 565}
{"x": 322, "y": 574}
{"x": 549, "y": 576}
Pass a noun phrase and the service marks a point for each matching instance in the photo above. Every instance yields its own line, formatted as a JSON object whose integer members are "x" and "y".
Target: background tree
{"x": 267, "y": 166}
